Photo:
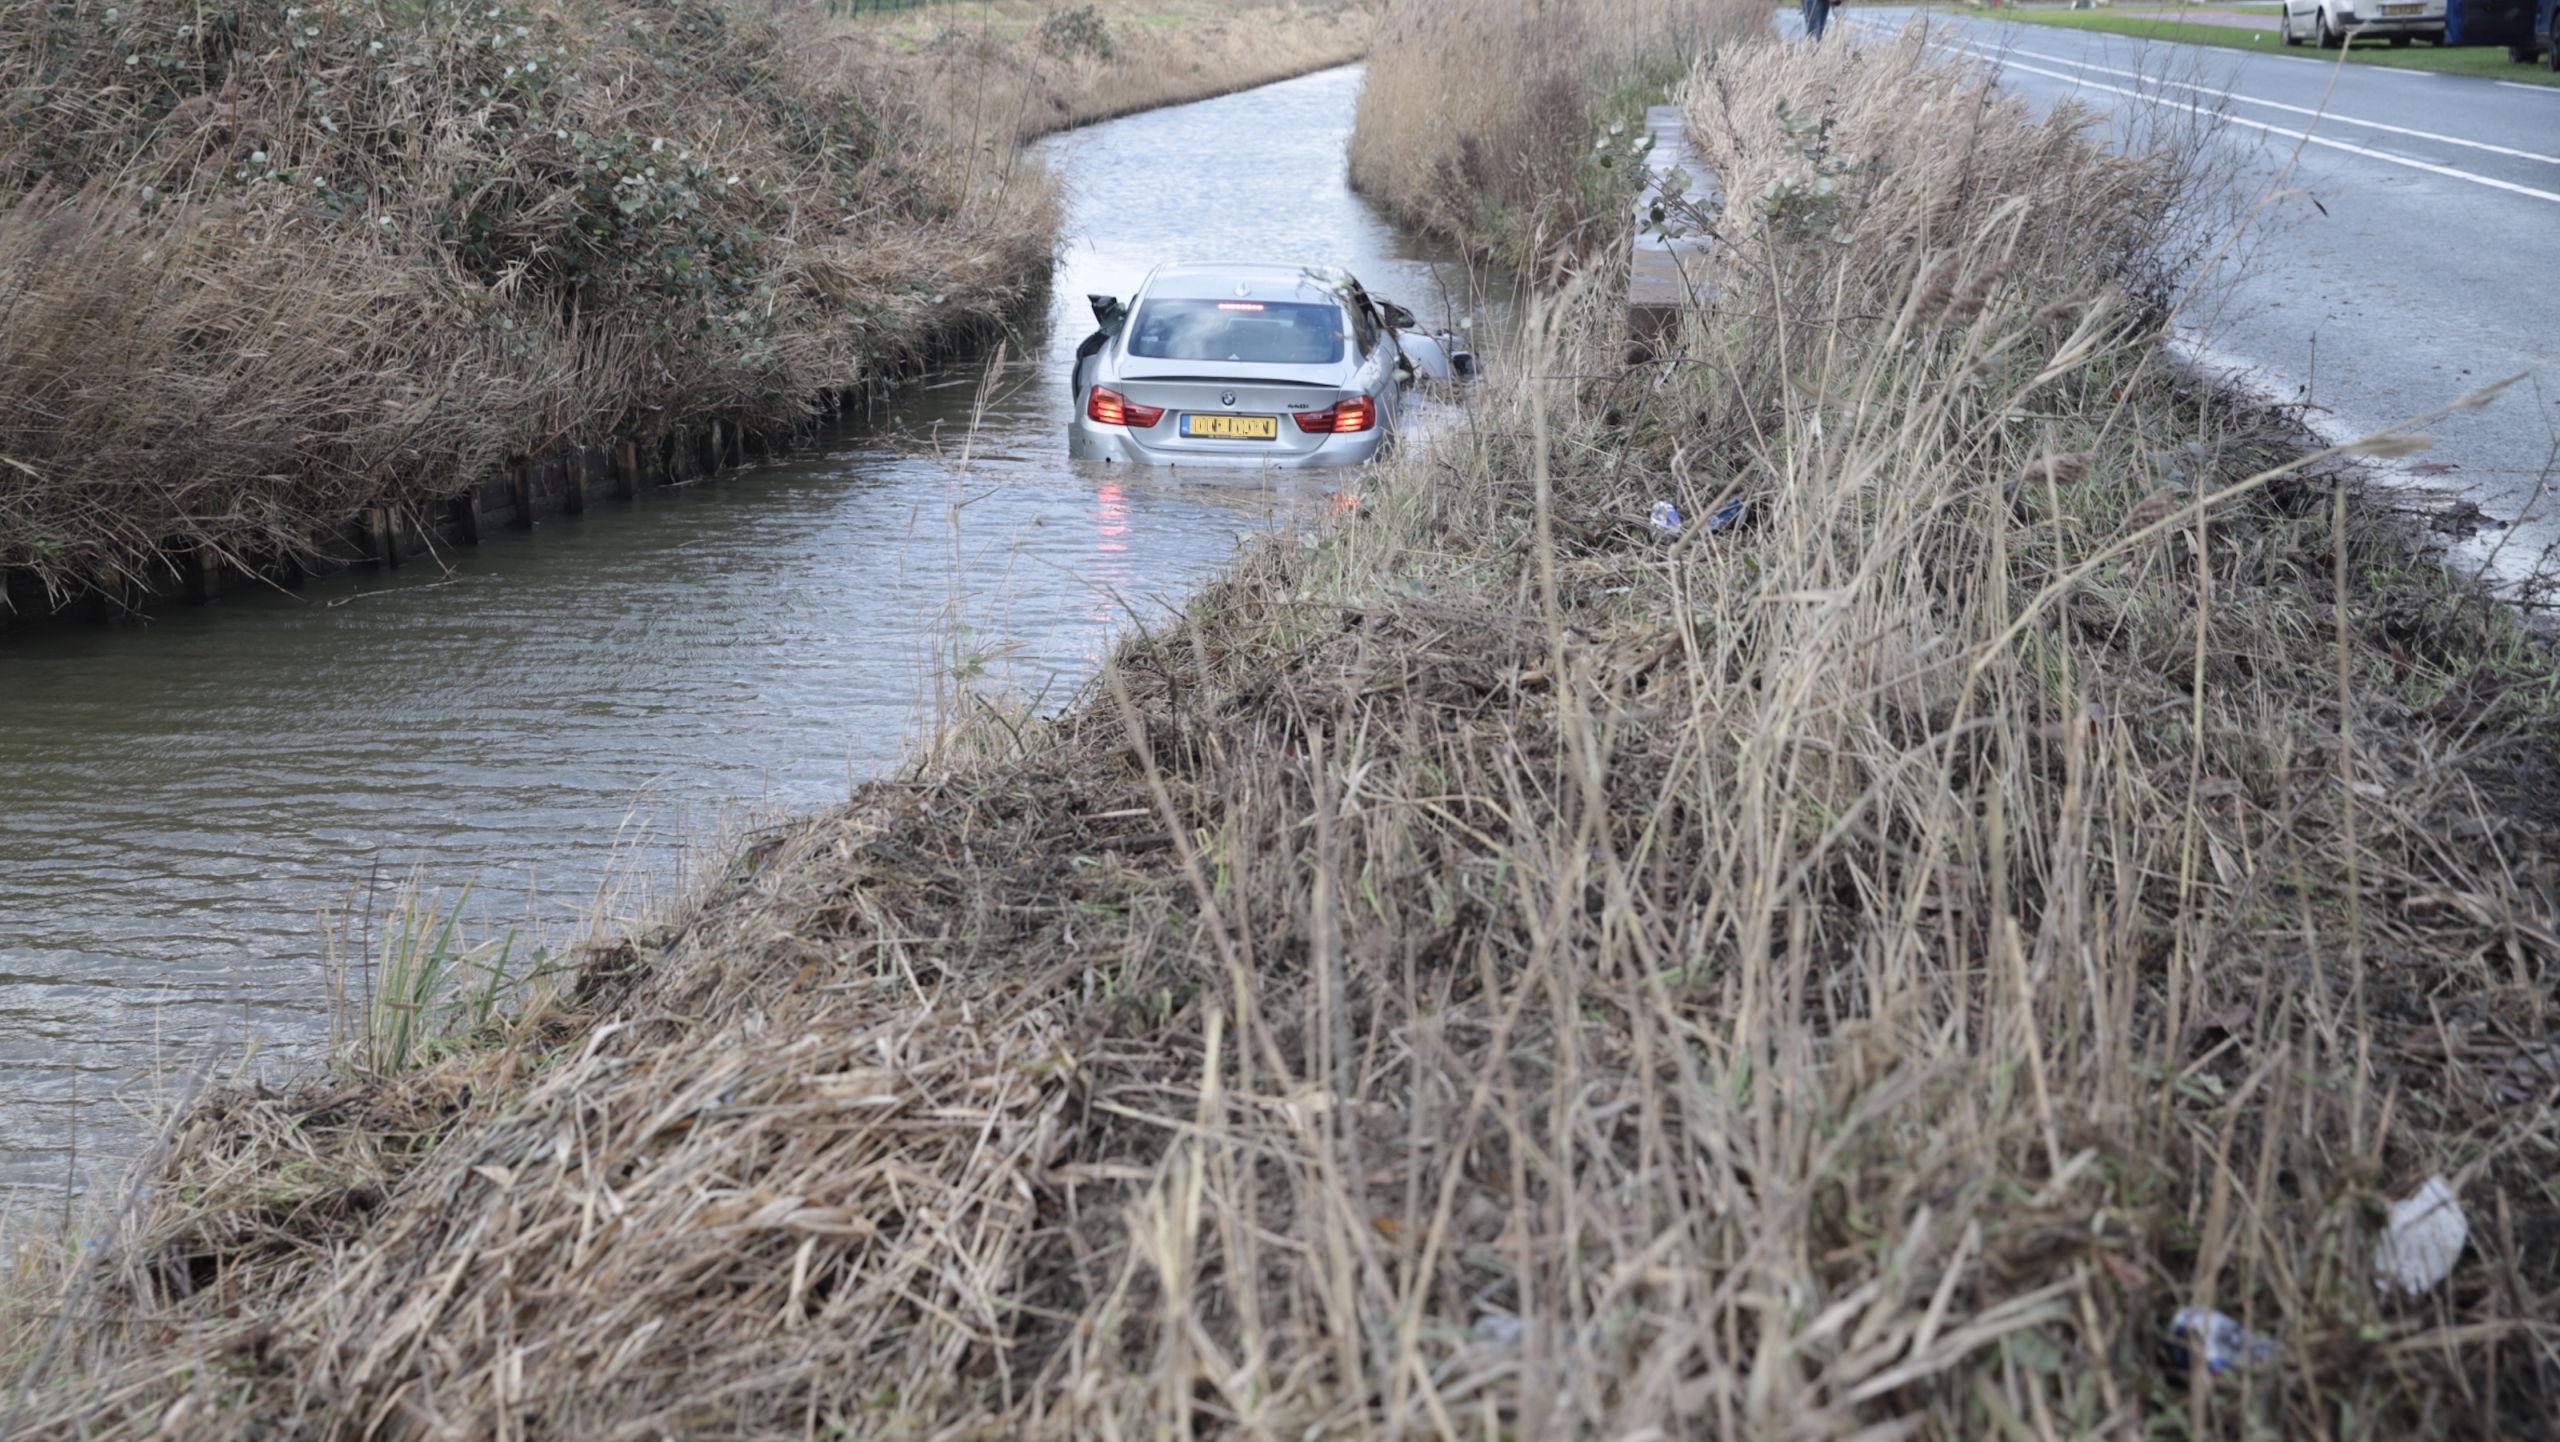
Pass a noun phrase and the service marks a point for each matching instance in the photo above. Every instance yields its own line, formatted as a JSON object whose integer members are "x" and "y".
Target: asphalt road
{"x": 2419, "y": 260}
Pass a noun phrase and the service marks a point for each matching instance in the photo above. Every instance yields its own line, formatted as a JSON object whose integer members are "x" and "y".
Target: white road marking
{"x": 2302, "y": 109}
{"x": 2302, "y": 135}
{"x": 2528, "y": 85}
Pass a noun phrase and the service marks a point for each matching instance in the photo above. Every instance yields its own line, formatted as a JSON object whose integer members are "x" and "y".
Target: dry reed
{"x": 1018, "y": 69}
{"x": 1478, "y": 117}
{"x": 1493, "y": 972}
{"x": 263, "y": 264}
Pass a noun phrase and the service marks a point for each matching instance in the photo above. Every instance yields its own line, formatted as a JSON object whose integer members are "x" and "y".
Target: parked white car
{"x": 2329, "y": 23}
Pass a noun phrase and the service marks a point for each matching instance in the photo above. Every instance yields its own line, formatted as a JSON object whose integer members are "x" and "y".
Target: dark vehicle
{"x": 2542, "y": 40}
{"x": 2488, "y": 22}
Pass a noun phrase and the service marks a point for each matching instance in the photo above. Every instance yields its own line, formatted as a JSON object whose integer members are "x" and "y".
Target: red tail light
{"x": 1114, "y": 409}
{"x": 1342, "y": 417}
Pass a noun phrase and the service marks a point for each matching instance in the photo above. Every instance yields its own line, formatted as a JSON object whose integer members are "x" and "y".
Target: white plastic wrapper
{"x": 2423, "y": 1241}
{"x": 2224, "y": 1344}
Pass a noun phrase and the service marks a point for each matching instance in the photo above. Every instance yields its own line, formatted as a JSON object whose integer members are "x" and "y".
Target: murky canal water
{"x": 559, "y": 715}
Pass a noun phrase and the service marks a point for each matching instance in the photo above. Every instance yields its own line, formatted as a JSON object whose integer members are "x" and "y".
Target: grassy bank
{"x": 2486, "y": 61}
{"x": 1495, "y": 971}
{"x": 1021, "y": 68}
{"x": 1489, "y": 121}
{"x": 265, "y": 263}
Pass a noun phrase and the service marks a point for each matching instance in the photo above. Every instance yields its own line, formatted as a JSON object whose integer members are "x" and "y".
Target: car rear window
{"x": 1272, "y": 332}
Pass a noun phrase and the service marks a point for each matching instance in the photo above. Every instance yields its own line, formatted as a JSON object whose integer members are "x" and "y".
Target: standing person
{"x": 1817, "y": 13}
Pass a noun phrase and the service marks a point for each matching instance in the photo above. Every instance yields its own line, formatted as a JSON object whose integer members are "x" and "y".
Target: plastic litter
{"x": 1499, "y": 1330}
{"x": 2225, "y": 1343}
{"x": 2423, "y": 1241}
{"x": 1665, "y": 518}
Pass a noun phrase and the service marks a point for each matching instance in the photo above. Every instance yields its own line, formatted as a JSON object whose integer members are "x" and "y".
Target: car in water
{"x": 2330, "y": 23}
{"x": 1257, "y": 365}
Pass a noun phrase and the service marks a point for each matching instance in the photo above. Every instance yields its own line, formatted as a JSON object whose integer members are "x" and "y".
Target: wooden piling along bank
{"x": 386, "y": 536}
{"x": 564, "y": 483}
{"x": 1668, "y": 274}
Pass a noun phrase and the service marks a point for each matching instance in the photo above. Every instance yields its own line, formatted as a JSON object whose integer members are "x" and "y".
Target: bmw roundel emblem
{"x": 1226, "y": 398}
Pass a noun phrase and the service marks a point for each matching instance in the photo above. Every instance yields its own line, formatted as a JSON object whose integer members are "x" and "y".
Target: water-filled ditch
{"x": 555, "y": 717}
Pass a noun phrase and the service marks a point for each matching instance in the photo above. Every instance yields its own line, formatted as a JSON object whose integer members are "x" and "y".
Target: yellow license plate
{"x": 2404, "y": 9}
{"x": 1232, "y": 428}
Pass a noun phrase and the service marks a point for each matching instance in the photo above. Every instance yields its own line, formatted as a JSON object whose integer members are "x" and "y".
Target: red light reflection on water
{"x": 1111, "y": 571}
{"x": 1111, "y": 517}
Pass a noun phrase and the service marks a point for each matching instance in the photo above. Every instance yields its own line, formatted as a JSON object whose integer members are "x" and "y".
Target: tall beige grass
{"x": 265, "y": 263}
{"x": 1495, "y": 972}
{"x": 1478, "y": 117}
{"x": 1019, "y": 68}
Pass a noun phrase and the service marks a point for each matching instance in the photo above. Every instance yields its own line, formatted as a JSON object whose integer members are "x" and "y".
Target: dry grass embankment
{"x": 1022, "y": 68}
{"x": 1478, "y": 117}
{"x": 262, "y": 263}
{"x": 1493, "y": 973}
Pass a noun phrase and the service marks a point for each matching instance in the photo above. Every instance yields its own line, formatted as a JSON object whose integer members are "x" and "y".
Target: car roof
{"x": 1203, "y": 279}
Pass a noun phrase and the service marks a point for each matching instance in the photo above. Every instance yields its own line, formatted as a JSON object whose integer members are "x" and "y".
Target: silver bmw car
{"x": 1253, "y": 365}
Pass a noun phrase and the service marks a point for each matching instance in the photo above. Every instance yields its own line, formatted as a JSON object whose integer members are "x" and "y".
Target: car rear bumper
{"x": 1090, "y": 440}
{"x": 2394, "y": 25}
